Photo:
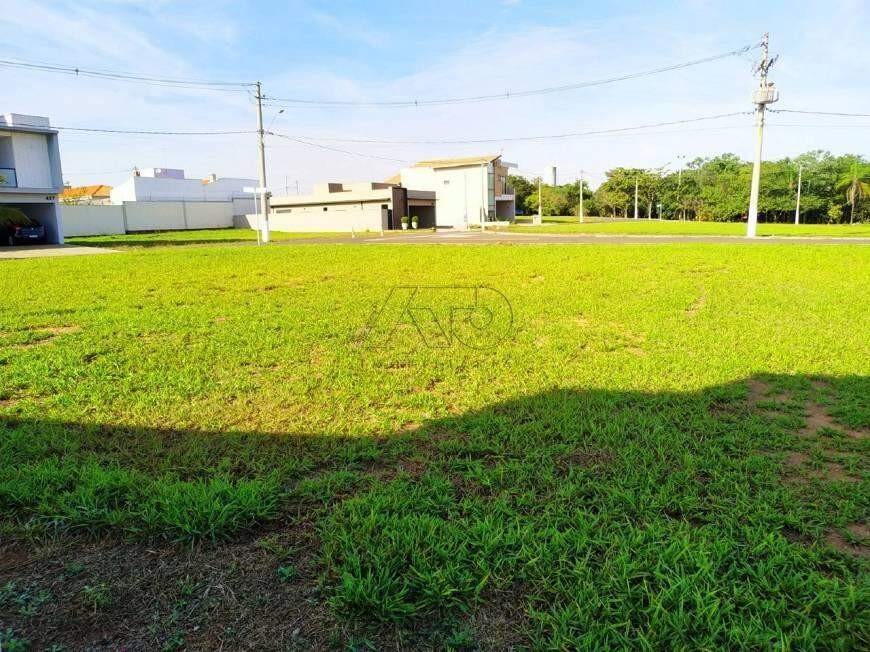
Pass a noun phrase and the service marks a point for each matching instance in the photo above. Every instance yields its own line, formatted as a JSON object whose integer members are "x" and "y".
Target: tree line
{"x": 834, "y": 189}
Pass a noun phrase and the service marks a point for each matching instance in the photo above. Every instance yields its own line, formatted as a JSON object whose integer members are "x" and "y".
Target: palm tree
{"x": 856, "y": 184}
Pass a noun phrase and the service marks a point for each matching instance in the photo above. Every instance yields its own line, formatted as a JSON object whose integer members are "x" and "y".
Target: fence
{"x": 150, "y": 216}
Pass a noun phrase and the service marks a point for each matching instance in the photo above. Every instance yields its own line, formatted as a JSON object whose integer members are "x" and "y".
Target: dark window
{"x": 325, "y": 208}
{"x": 385, "y": 207}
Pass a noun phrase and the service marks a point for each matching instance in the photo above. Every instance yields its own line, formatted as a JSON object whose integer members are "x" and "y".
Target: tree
{"x": 555, "y": 200}
{"x": 619, "y": 188}
{"x": 612, "y": 199}
{"x": 522, "y": 189}
{"x": 573, "y": 195}
{"x": 856, "y": 184}
{"x": 648, "y": 185}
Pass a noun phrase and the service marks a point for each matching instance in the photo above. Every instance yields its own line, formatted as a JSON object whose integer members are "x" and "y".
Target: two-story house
{"x": 470, "y": 191}
{"x": 30, "y": 173}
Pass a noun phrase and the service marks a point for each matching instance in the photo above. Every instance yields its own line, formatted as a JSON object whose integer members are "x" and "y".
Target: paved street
{"x": 506, "y": 237}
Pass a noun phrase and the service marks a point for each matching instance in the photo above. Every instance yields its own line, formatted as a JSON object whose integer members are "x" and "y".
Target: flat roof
{"x": 349, "y": 197}
{"x": 25, "y": 123}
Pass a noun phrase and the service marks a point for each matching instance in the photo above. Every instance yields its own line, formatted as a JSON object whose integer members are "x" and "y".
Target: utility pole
{"x": 540, "y": 203}
{"x": 797, "y": 208}
{"x": 484, "y": 196}
{"x": 764, "y": 95}
{"x": 635, "y": 197}
{"x": 554, "y": 177}
{"x": 581, "y": 196}
{"x": 680, "y": 158}
{"x": 264, "y": 197}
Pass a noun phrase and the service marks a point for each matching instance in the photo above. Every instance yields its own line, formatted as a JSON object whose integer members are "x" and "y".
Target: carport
{"x": 423, "y": 209}
{"x": 44, "y": 212}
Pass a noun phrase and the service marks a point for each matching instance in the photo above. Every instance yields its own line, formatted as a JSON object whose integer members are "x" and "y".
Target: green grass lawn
{"x": 196, "y": 236}
{"x": 675, "y": 227}
{"x": 653, "y": 447}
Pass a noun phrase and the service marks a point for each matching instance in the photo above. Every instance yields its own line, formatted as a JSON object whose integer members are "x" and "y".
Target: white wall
{"x": 125, "y": 191}
{"x": 155, "y": 216}
{"x": 32, "y": 162}
{"x": 208, "y": 215}
{"x": 168, "y": 189}
{"x": 339, "y": 218}
{"x": 92, "y": 220}
{"x": 244, "y": 206}
{"x": 146, "y": 216}
{"x": 459, "y": 200}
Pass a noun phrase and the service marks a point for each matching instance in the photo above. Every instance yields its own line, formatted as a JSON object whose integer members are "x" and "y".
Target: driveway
{"x": 51, "y": 251}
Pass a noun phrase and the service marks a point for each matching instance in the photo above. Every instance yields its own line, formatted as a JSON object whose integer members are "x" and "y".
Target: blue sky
{"x": 405, "y": 50}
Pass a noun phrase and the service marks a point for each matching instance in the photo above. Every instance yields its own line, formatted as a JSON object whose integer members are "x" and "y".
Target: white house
{"x": 169, "y": 184}
{"x": 469, "y": 191}
{"x": 30, "y": 172}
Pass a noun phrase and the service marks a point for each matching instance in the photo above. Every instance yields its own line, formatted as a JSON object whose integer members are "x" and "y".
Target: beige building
{"x": 469, "y": 191}
{"x": 352, "y": 207}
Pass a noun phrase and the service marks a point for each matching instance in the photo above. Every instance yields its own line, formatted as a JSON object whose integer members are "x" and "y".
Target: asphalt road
{"x": 506, "y": 237}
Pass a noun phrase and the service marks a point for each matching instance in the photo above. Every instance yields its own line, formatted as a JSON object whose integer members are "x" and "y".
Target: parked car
{"x": 17, "y": 228}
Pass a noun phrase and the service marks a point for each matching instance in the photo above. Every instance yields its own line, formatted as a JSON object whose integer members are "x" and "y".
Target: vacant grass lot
{"x": 656, "y": 447}
{"x": 676, "y": 227}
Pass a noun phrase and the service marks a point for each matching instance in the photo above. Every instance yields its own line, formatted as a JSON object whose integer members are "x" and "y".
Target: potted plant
{"x": 415, "y": 221}
{"x": 404, "y": 222}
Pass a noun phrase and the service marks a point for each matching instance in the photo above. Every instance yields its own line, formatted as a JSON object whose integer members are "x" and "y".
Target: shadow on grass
{"x": 566, "y": 519}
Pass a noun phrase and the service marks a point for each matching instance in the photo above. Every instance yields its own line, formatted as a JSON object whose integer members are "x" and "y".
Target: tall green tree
{"x": 856, "y": 184}
{"x": 522, "y": 189}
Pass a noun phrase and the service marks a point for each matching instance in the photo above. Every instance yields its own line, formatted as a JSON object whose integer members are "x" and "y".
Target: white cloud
{"x": 816, "y": 71}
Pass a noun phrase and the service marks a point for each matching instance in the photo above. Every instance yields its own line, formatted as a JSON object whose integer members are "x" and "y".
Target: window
{"x": 446, "y": 182}
{"x": 385, "y": 207}
{"x": 325, "y": 208}
{"x": 283, "y": 210}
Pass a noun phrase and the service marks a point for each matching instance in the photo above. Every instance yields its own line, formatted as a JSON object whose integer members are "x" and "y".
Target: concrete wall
{"x": 155, "y": 216}
{"x": 337, "y": 218}
{"x": 92, "y": 220}
{"x": 146, "y": 216}
{"x": 208, "y": 215}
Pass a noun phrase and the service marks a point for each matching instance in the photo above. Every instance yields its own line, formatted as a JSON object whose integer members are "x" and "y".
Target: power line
{"x": 195, "y": 84}
{"x": 336, "y": 149}
{"x": 507, "y": 95}
{"x": 137, "y": 131}
{"x": 479, "y": 141}
{"x": 839, "y": 113}
{"x": 86, "y": 174}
